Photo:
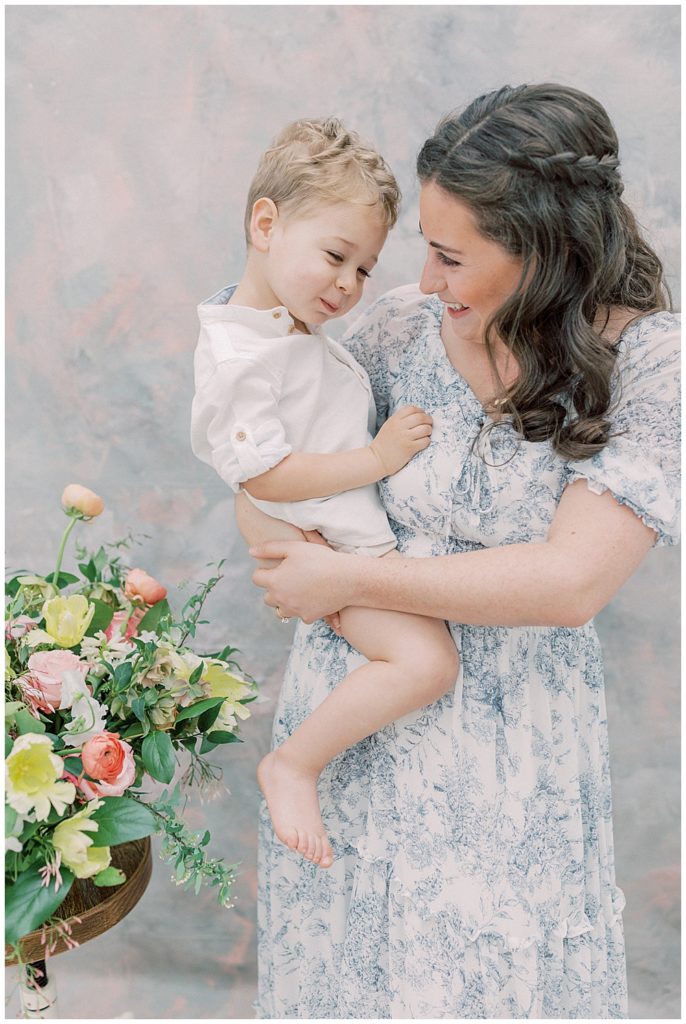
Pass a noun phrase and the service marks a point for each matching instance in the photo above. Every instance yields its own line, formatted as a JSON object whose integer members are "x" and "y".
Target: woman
{"x": 474, "y": 871}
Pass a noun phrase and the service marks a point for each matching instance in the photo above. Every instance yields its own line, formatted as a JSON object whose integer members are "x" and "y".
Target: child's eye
{"x": 365, "y": 273}
{"x": 335, "y": 256}
{"x": 446, "y": 261}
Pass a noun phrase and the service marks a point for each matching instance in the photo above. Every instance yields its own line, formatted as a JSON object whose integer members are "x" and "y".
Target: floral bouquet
{"x": 102, "y": 694}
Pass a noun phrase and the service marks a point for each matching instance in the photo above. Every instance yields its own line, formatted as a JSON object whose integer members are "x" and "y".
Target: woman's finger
{"x": 273, "y": 548}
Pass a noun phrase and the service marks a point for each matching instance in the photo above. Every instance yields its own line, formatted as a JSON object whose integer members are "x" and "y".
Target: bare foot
{"x": 291, "y": 796}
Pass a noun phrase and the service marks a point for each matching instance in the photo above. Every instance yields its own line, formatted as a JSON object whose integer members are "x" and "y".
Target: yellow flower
{"x": 70, "y": 838}
{"x": 32, "y": 772}
{"x": 219, "y": 682}
{"x": 68, "y": 618}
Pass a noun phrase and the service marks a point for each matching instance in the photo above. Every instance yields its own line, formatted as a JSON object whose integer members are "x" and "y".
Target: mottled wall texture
{"x": 133, "y": 133}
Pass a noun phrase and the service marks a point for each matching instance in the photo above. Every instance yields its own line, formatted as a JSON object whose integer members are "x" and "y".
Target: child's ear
{"x": 262, "y": 221}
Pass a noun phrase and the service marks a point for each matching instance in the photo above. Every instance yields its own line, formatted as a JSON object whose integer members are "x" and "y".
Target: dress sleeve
{"x": 235, "y": 423}
{"x": 641, "y": 462}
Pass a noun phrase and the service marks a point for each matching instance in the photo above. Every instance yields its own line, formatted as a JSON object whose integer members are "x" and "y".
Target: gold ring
{"x": 284, "y": 618}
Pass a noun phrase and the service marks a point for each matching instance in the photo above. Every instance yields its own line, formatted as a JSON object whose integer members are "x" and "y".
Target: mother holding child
{"x": 527, "y": 398}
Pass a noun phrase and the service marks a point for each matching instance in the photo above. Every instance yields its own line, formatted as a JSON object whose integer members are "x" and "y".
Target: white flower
{"x": 73, "y": 686}
{"x": 87, "y": 719}
{"x": 94, "y": 648}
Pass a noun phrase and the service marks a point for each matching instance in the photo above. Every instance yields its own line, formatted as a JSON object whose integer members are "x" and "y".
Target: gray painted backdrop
{"x": 133, "y": 134}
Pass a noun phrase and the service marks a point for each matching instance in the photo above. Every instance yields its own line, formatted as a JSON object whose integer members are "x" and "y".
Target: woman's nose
{"x": 431, "y": 281}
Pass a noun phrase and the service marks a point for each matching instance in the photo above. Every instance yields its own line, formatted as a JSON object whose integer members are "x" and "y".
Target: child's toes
{"x": 317, "y": 850}
{"x": 327, "y": 855}
{"x": 301, "y": 845}
{"x": 311, "y": 847}
{"x": 290, "y": 838}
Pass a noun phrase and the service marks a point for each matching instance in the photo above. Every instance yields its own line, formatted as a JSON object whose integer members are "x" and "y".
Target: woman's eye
{"x": 335, "y": 256}
{"x": 442, "y": 258}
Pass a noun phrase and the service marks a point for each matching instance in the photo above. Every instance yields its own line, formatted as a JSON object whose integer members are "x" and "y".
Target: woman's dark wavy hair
{"x": 538, "y": 165}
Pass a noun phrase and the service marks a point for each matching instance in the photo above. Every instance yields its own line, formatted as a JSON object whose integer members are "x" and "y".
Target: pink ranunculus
{"x": 139, "y": 585}
{"x": 118, "y": 620}
{"x": 42, "y": 685}
{"x": 108, "y": 760}
{"x": 83, "y": 500}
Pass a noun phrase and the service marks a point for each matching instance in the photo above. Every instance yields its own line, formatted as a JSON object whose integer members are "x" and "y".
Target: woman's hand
{"x": 310, "y": 582}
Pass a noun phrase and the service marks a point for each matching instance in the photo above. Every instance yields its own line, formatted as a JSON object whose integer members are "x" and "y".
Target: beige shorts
{"x": 373, "y": 551}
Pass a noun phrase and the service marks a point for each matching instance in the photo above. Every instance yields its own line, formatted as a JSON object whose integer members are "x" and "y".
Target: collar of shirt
{"x": 270, "y": 323}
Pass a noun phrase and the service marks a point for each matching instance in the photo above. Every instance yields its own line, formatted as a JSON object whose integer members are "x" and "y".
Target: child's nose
{"x": 347, "y": 280}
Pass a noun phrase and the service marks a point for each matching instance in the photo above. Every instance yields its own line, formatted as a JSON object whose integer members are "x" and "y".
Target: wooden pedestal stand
{"x": 98, "y": 910}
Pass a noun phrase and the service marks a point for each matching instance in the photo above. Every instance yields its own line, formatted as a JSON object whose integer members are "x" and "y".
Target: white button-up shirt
{"x": 264, "y": 390}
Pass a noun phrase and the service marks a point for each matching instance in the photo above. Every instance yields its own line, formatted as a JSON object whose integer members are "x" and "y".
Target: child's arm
{"x": 303, "y": 475}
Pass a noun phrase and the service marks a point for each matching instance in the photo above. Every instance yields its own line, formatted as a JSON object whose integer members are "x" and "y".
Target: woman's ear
{"x": 262, "y": 221}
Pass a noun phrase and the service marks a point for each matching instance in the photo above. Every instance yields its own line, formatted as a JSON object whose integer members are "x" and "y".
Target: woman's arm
{"x": 593, "y": 547}
{"x": 303, "y": 475}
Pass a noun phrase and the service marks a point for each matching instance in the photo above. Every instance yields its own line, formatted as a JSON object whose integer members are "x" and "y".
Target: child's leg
{"x": 412, "y": 662}
{"x": 256, "y": 527}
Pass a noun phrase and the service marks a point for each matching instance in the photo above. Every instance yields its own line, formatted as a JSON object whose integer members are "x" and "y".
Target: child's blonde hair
{"x": 320, "y": 160}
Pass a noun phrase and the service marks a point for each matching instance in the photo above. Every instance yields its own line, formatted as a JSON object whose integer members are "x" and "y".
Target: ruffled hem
{"x": 664, "y": 520}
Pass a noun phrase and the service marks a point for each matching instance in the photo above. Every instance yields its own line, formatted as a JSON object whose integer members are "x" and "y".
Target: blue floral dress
{"x": 474, "y": 872}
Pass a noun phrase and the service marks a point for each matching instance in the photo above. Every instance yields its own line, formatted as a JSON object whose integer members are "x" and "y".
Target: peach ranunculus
{"x": 80, "y": 499}
{"x": 42, "y": 685}
{"x": 110, "y": 761}
{"x": 114, "y": 629}
{"x": 140, "y": 586}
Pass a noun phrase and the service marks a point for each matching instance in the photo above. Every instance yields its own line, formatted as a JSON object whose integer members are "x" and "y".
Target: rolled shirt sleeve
{"x": 235, "y": 425}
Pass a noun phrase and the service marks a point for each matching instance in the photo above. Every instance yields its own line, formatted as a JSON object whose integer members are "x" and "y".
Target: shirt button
{"x": 276, "y": 314}
{"x": 241, "y": 435}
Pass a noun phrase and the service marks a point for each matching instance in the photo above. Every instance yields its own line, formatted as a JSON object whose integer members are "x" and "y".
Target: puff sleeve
{"x": 235, "y": 423}
{"x": 640, "y": 464}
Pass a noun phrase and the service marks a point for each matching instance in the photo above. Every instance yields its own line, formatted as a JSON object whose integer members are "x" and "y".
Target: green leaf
{"x": 73, "y": 765}
{"x": 88, "y": 570}
{"x": 200, "y": 705}
{"x": 223, "y": 737}
{"x": 28, "y": 903}
{"x": 154, "y": 616}
{"x": 110, "y": 876}
{"x": 196, "y": 674}
{"x": 100, "y": 560}
{"x": 64, "y": 579}
{"x": 121, "y": 820}
{"x": 25, "y": 722}
{"x": 158, "y": 756}
{"x": 138, "y": 708}
{"x": 206, "y": 745}
{"x": 122, "y": 675}
{"x": 9, "y": 743}
{"x": 102, "y": 617}
{"x": 132, "y": 732}
{"x": 208, "y": 718}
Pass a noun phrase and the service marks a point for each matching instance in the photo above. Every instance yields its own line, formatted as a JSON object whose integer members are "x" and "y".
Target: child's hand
{"x": 405, "y": 433}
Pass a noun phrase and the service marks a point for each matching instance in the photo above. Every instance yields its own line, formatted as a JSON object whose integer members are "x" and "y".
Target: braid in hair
{"x": 539, "y": 168}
